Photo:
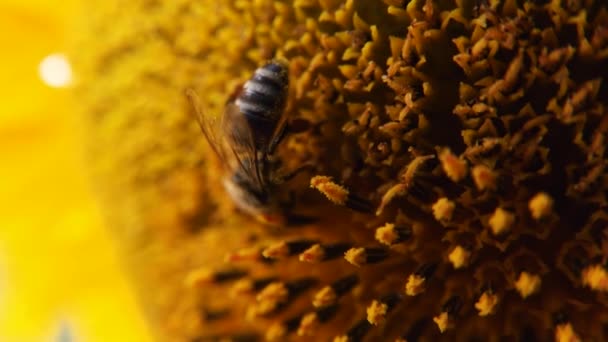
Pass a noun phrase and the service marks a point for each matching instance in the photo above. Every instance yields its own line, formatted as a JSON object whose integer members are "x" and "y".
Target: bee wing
{"x": 210, "y": 126}
{"x": 241, "y": 140}
{"x": 278, "y": 135}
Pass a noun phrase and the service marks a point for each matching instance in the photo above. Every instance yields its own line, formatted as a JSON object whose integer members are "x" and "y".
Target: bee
{"x": 245, "y": 139}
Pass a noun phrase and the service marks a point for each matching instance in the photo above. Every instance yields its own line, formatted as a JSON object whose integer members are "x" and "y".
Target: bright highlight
{"x": 55, "y": 70}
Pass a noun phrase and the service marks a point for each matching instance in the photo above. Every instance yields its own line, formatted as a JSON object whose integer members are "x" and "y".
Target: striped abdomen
{"x": 262, "y": 100}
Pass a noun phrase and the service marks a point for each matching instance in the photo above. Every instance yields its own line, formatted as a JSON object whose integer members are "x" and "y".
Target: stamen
{"x": 527, "y": 284}
{"x": 318, "y": 252}
{"x": 389, "y": 234}
{"x": 330, "y": 294}
{"x": 361, "y": 256}
{"x": 285, "y": 249}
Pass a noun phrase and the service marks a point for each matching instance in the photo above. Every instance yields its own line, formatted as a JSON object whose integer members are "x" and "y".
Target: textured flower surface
{"x": 459, "y": 185}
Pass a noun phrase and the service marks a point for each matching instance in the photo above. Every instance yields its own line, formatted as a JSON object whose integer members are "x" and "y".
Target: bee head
{"x": 247, "y": 198}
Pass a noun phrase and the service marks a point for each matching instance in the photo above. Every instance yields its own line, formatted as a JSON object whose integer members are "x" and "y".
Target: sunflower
{"x": 459, "y": 184}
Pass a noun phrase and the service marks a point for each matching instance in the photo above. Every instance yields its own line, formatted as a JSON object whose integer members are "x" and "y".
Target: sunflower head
{"x": 458, "y": 185}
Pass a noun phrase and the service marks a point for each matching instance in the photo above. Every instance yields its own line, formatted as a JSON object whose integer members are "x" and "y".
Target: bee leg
{"x": 293, "y": 127}
{"x": 290, "y": 175}
{"x": 277, "y": 138}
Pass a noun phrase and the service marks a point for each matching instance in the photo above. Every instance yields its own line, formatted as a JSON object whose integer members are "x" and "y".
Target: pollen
{"x": 501, "y": 221}
{"x": 314, "y": 254}
{"x": 459, "y": 257}
{"x": 484, "y": 177}
{"x": 443, "y": 209}
{"x": 241, "y": 287}
{"x": 334, "y": 192}
{"x": 454, "y": 167}
{"x": 245, "y": 254}
{"x": 308, "y": 325}
{"x": 527, "y": 284}
{"x": 415, "y": 285}
{"x": 276, "y": 292}
{"x": 387, "y": 234}
{"x": 280, "y": 250}
{"x": 376, "y": 313}
{"x": 540, "y": 205}
{"x": 356, "y": 256}
{"x": 276, "y": 332}
{"x": 595, "y": 277}
{"x": 486, "y": 304}
{"x": 199, "y": 277}
{"x": 326, "y": 296}
{"x": 443, "y": 321}
{"x": 565, "y": 333}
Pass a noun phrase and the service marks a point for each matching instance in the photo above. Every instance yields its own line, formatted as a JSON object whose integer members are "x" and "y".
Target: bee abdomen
{"x": 264, "y": 94}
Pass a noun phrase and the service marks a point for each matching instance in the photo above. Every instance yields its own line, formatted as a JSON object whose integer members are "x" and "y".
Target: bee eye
{"x": 275, "y": 67}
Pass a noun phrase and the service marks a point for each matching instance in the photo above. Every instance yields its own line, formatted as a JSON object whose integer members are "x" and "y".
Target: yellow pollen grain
{"x": 198, "y": 278}
{"x": 387, "y": 234}
{"x": 263, "y": 308}
{"x": 527, "y": 284}
{"x": 314, "y": 254}
{"x": 501, "y": 221}
{"x": 540, "y": 205}
{"x": 376, "y": 313}
{"x": 459, "y": 257}
{"x": 443, "y": 209}
{"x": 276, "y": 332}
{"x": 308, "y": 324}
{"x": 443, "y": 321}
{"x": 277, "y": 251}
{"x": 595, "y": 277}
{"x": 565, "y": 333}
{"x": 454, "y": 167}
{"x": 356, "y": 256}
{"x": 341, "y": 338}
{"x": 325, "y": 297}
{"x": 241, "y": 287}
{"x": 484, "y": 177}
{"x": 334, "y": 192}
{"x": 486, "y": 304}
{"x": 415, "y": 285}
{"x": 245, "y": 254}
{"x": 251, "y": 313}
{"x": 273, "y": 292}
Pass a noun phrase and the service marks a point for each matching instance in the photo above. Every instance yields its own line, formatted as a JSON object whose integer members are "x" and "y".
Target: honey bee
{"x": 245, "y": 139}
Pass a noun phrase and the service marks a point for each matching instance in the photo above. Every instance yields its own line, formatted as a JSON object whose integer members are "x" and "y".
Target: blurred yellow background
{"x": 60, "y": 277}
